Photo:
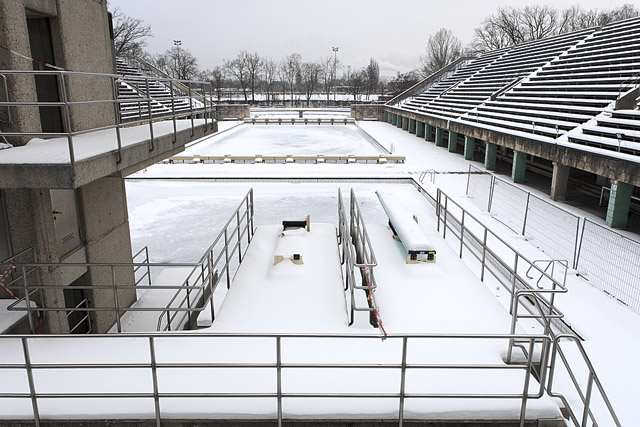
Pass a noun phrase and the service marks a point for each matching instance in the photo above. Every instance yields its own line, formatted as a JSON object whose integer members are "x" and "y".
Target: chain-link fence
{"x": 550, "y": 228}
{"x": 611, "y": 262}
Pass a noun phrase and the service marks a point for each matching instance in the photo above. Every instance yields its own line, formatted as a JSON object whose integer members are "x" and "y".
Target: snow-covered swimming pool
{"x": 299, "y": 139}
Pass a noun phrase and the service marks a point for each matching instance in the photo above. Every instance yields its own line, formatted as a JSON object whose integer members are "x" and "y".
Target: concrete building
{"x": 71, "y": 211}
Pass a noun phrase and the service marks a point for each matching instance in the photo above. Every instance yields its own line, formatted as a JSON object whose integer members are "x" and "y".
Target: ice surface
{"x": 299, "y": 139}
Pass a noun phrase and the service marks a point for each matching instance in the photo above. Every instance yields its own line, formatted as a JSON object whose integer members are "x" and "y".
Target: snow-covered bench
{"x": 405, "y": 227}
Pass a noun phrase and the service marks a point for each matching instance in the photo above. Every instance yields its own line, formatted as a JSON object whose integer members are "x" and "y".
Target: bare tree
{"x": 178, "y": 63}
{"x": 326, "y": 73}
{"x": 291, "y": 68}
{"x": 270, "y": 69}
{"x": 402, "y": 82}
{"x": 129, "y": 34}
{"x": 238, "y": 68}
{"x": 310, "y": 72}
{"x": 254, "y": 66}
{"x": 511, "y": 26}
{"x": 356, "y": 83}
{"x": 217, "y": 78}
{"x": 442, "y": 48}
{"x": 373, "y": 77}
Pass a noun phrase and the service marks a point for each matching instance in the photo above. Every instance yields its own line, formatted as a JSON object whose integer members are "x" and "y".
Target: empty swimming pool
{"x": 299, "y": 139}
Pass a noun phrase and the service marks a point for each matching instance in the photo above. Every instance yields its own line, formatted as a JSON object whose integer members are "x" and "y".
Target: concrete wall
{"x": 368, "y": 111}
{"x": 233, "y": 111}
{"x": 81, "y": 42}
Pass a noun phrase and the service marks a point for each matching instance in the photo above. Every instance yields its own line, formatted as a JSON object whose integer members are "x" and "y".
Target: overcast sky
{"x": 392, "y": 32}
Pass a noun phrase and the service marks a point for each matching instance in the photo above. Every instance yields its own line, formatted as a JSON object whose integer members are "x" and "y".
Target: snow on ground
{"x": 274, "y": 139}
{"x": 56, "y": 150}
{"x": 179, "y": 219}
{"x": 602, "y": 321}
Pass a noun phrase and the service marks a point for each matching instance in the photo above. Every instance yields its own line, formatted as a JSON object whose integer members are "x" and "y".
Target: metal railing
{"x": 186, "y": 301}
{"x": 279, "y": 354}
{"x": 585, "y": 395}
{"x": 508, "y": 266}
{"x": 68, "y": 103}
{"x": 537, "y": 301}
{"x": 356, "y": 254}
{"x": 552, "y": 229}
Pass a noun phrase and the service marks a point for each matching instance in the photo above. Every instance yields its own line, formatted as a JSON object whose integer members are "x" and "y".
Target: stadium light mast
{"x": 335, "y": 66}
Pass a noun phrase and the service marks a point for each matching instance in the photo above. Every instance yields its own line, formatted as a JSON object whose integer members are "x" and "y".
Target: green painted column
{"x": 428, "y": 133}
{"x": 400, "y": 120}
{"x": 490, "y": 152}
{"x": 394, "y": 119}
{"x": 412, "y": 126}
{"x": 420, "y": 129}
{"x": 440, "y": 137}
{"x": 519, "y": 166}
{"x": 469, "y": 147}
{"x": 453, "y": 141}
{"x": 619, "y": 204}
{"x": 386, "y": 116}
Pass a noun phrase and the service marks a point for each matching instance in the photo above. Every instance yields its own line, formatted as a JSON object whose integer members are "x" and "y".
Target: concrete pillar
{"x": 559, "y": 181}
{"x": 420, "y": 129}
{"x": 428, "y": 133}
{"x": 412, "y": 126}
{"x": 405, "y": 123}
{"x": 519, "y": 166}
{"x": 385, "y": 116}
{"x": 394, "y": 119}
{"x": 453, "y": 141}
{"x": 490, "y": 151}
{"x": 619, "y": 204}
{"x": 469, "y": 147}
{"x": 440, "y": 137}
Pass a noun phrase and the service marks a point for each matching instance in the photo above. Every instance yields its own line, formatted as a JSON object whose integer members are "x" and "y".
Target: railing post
{"x": 32, "y": 387}
{"x": 484, "y": 254}
{"x": 67, "y": 119}
{"x": 576, "y": 258}
{"x": 173, "y": 112}
{"x": 492, "y": 186}
{"x": 239, "y": 238}
{"x": 27, "y": 300}
{"x": 403, "y": 377}
{"x": 444, "y": 222}
{"x": 154, "y": 375}
{"x": 146, "y": 80}
{"x": 116, "y": 110}
{"x": 226, "y": 257}
{"x": 115, "y": 297}
{"x": 526, "y": 214}
{"x": 279, "y": 378}
{"x": 146, "y": 250}
{"x": 525, "y": 391}
{"x": 191, "y": 110}
{"x": 587, "y": 399}
{"x": 212, "y": 280}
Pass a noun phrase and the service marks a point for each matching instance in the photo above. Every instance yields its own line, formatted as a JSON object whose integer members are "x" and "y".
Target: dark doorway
{"x": 46, "y": 86}
{"x": 77, "y": 316}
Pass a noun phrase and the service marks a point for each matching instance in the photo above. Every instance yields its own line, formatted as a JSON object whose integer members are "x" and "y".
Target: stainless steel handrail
{"x": 66, "y": 103}
{"x": 592, "y": 378}
{"x": 279, "y": 365}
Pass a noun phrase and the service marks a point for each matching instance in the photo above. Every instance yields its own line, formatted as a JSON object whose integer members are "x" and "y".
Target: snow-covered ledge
{"x": 46, "y": 163}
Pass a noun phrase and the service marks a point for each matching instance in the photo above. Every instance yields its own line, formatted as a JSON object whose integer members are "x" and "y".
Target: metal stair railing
{"x": 357, "y": 255}
{"x": 586, "y": 396}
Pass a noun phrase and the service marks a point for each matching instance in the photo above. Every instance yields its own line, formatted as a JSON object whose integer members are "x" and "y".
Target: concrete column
{"x": 559, "y": 181}
{"x": 440, "y": 137}
{"x": 405, "y": 123}
{"x": 428, "y": 133}
{"x": 394, "y": 119}
{"x": 619, "y": 204}
{"x": 519, "y": 166}
{"x": 469, "y": 147}
{"x": 412, "y": 126}
{"x": 453, "y": 141}
{"x": 385, "y": 116}
{"x": 420, "y": 130}
{"x": 490, "y": 151}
